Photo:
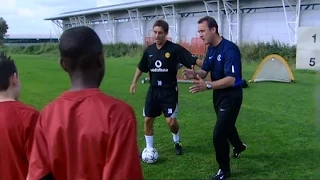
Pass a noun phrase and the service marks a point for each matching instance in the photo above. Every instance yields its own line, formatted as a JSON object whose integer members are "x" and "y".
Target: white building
{"x": 239, "y": 20}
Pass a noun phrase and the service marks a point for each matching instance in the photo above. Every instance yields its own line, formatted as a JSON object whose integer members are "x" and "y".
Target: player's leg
{"x": 221, "y": 145}
{"x": 151, "y": 110}
{"x": 148, "y": 131}
{"x": 169, "y": 106}
{"x": 226, "y": 108}
{"x": 238, "y": 145}
{"x": 173, "y": 124}
{"x": 233, "y": 136}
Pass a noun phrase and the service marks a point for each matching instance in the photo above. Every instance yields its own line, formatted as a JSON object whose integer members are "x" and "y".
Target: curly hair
{"x": 7, "y": 69}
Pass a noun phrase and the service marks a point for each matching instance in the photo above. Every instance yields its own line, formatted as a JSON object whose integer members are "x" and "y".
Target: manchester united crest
{"x": 167, "y": 55}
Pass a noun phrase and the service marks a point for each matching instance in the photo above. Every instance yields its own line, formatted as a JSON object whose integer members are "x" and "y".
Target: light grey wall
{"x": 264, "y": 24}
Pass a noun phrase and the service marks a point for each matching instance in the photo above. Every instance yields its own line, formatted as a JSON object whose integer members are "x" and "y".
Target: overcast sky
{"x": 26, "y": 16}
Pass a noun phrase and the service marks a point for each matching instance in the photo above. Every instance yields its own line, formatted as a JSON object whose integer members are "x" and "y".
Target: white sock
{"x": 176, "y": 137}
{"x": 149, "y": 141}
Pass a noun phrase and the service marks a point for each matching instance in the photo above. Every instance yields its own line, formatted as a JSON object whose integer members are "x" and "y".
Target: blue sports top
{"x": 224, "y": 60}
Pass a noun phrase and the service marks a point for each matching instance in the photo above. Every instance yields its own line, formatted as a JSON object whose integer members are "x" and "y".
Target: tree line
{"x": 3, "y": 29}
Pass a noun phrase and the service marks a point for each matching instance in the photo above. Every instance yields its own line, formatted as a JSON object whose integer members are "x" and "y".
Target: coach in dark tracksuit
{"x": 223, "y": 61}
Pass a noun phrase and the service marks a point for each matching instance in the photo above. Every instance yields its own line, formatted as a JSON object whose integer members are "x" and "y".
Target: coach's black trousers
{"x": 227, "y": 104}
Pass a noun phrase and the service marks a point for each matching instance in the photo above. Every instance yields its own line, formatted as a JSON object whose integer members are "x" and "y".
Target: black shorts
{"x": 161, "y": 100}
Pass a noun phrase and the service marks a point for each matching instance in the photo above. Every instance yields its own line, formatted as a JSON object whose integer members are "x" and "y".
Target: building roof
{"x": 32, "y": 36}
{"x": 118, "y": 7}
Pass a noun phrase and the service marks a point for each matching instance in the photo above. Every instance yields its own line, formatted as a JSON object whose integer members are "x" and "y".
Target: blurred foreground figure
{"x": 17, "y": 123}
{"x": 84, "y": 133}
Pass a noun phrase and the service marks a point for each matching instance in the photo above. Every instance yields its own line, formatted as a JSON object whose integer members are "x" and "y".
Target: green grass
{"x": 277, "y": 121}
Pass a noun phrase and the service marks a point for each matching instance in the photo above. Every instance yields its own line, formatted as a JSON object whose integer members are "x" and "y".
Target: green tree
{"x": 3, "y": 29}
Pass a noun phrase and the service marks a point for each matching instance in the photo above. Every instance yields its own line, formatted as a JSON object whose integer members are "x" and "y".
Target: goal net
{"x": 273, "y": 68}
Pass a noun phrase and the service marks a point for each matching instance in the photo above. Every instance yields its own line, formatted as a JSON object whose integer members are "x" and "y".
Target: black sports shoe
{"x": 237, "y": 152}
{"x": 178, "y": 147}
{"x": 221, "y": 175}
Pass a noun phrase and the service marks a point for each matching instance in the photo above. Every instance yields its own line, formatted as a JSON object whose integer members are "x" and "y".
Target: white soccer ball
{"x": 149, "y": 156}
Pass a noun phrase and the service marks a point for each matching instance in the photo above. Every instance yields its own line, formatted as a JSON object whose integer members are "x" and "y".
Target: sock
{"x": 176, "y": 137}
{"x": 149, "y": 141}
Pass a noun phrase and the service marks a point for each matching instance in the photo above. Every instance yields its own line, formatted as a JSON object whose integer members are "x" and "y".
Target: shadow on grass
{"x": 293, "y": 164}
{"x": 290, "y": 164}
{"x": 193, "y": 149}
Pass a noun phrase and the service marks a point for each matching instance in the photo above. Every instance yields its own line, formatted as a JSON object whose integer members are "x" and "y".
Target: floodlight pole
{"x": 109, "y": 26}
{"x": 214, "y": 7}
{"x": 58, "y": 27}
{"x": 135, "y": 18}
{"x": 292, "y": 22}
{"x": 233, "y": 24}
{"x": 169, "y": 11}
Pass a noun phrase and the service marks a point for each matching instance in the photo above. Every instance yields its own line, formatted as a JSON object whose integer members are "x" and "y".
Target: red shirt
{"x": 17, "y": 123}
{"x": 86, "y": 135}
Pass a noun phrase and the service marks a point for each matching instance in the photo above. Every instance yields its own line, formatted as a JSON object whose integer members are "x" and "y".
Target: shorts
{"x": 161, "y": 100}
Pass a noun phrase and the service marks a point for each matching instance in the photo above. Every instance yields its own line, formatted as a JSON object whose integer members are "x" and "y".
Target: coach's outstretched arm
{"x": 232, "y": 72}
{"x": 192, "y": 74}
{"x": 187, "y": 59}
{"x": 202, "y": 73}
{"x": 199, "y": 62}
{"x": 205, "y": 67}
{"x": 142, "y": 68}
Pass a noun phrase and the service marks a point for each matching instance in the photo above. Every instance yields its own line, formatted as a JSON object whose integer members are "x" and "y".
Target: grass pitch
{"x": 277, "y": 121}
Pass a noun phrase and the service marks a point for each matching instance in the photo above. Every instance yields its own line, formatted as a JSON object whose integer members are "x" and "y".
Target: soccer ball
{"x": 149, "y": 156}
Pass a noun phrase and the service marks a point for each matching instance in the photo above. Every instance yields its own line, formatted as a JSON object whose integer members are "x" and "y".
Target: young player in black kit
{"x": 162, "y": 60}
{"x": 223, "y": 60}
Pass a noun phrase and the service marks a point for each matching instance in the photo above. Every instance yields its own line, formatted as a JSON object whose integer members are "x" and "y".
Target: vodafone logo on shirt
{"x": 158, "y": 68}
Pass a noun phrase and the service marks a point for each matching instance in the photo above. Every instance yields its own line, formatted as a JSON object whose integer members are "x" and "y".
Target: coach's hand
{"x": 133, "y": 88}
{"x": 199, "y": 85}
{"x": 189, "y": 73}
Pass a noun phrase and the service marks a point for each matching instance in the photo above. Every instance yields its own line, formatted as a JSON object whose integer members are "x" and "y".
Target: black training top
{"x": 162, "y": 64}
{"x": 224, "y": 60}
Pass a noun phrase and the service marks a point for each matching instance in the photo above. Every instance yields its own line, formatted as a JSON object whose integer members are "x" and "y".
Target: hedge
{"x": 251, "y": 52}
